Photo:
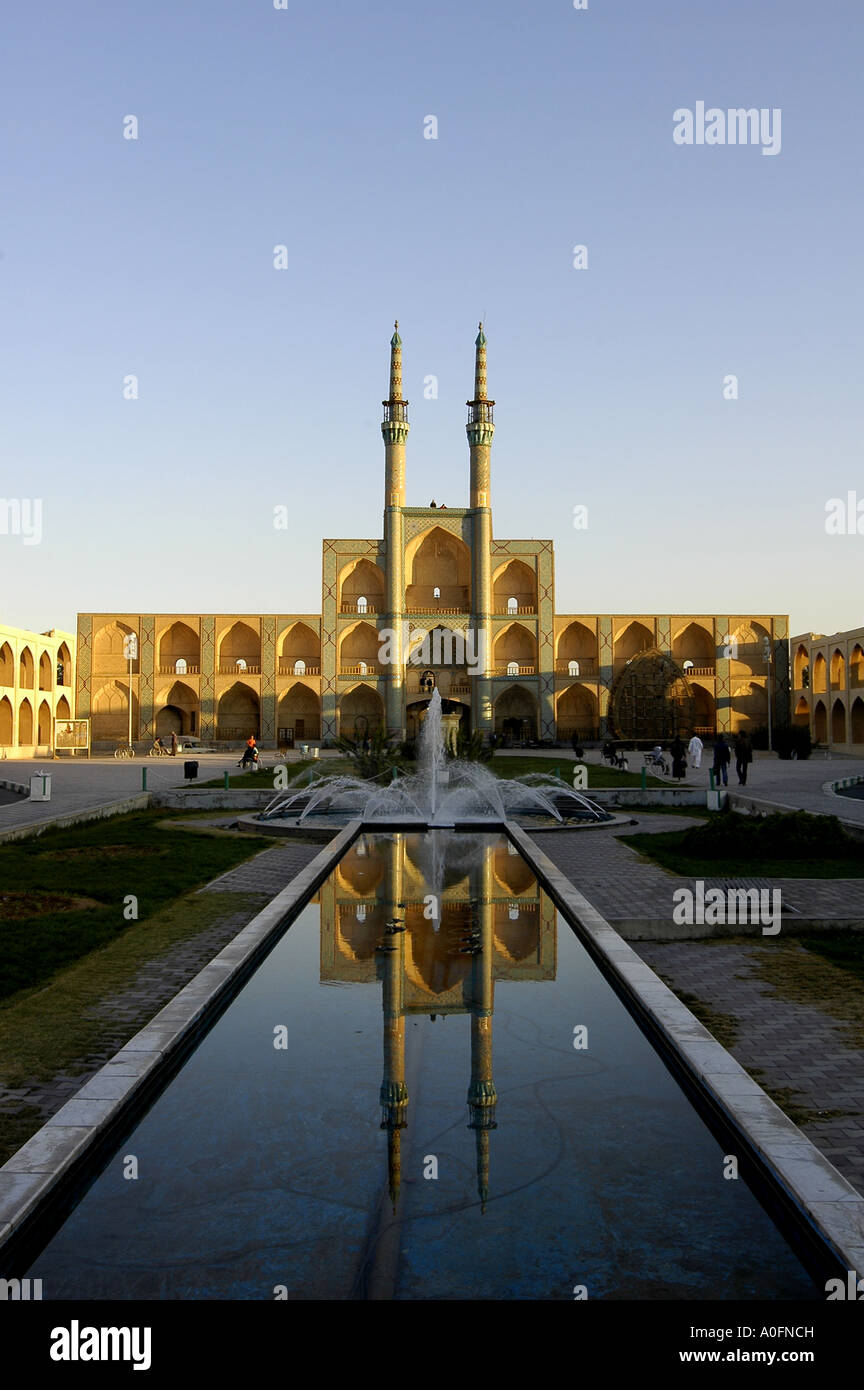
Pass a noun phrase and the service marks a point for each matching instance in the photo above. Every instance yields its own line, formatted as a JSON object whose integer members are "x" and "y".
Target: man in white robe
{"x": 694, "y": 750}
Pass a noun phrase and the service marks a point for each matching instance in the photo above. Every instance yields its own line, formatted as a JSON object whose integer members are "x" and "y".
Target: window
{"x": 362, "y": 604}
{"x": 60, "y": 669}
{"x": 364, "y": 669}
{"x": 573, "y": 668}
{"x": 512, "y": 668}
{"x": 436, "y": 592}
{"x": 512, "y": 606}
{"x": 299, "y": 668}
{"x": 513, "y": 914}
{"x": 180, "y": 666}
{"x": 240, "y": 664}
{"x": 360, "y": 912}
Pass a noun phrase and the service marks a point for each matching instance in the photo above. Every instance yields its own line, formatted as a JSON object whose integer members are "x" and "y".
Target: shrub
{"x": 780, "y": 836}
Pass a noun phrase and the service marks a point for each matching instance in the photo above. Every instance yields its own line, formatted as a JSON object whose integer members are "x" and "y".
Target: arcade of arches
{"x": 828, "y": 688}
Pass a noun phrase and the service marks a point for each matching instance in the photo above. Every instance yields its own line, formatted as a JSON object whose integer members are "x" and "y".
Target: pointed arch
{"x": 238, "y": 713}
{"x": 7, "y": 666}
{"x": 577, "y": 643}
{"x": 856, "y": 721}
{"x": 299, "y": 643}
{"x": 801, "y": 667}
{"x": 576, "y": 712}
{"x": 177, "y": 710}
{"x": 26, "y": 669}
{"x": 820, "y": 674}
{"x": 43, "y": 723}
{"x": 820, "y": 722}
{"x": 25, "y": 722}
{"x": 856, "y": 666}
{"x": 300, "y": 709}
{"x": 516, "y": 583}
{"x": 179, "y": 643}
{"x": 358, "y": 646}
{"x": 63, "y": 711}
{"x": 437, "y": 559}
{"x": 362, "y": 579}
{"x": 515, "y": 645}
{"x": 838, "y": 722}
{"x": 110, "y": 712}
{"x": 108, "y": 655}
{"x": 7, "y": 732}
{"x": 240, "y": 649}
{"x": 64, "y": 665}
{"x": 748, "y": 649}
{"x": 838, "y": 670}
{"x": 361, "y": 702}
{"x": 694, "y": 642}
{"x": 46, "y": 672}
{"x": 632, "y": 640}
{"x": 515, "y": 713}
{"x": 801, "y": 716}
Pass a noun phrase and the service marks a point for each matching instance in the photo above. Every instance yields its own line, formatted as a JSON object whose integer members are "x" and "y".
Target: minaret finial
{"x": 395, "y": 365}
{"x": 480, "y": 364}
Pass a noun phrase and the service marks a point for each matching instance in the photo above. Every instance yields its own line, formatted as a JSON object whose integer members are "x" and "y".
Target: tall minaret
{"x": 482, "y": 1095}
{"x": 394, "y": 428}
{"x": 480, "y": 429}
{"x": 394, "y": 1093}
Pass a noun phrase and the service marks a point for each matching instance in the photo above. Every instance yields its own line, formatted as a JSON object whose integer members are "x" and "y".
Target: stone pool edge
{"x": 56, "y": 1153}
{"x": 814, "y": 1188}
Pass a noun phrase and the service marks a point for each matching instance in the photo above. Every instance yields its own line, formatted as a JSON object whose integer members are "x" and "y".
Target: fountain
{"x": 440, "y": 794}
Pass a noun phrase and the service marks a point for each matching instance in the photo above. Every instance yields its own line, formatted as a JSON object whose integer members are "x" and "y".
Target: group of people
{"x": 743, "y": 749}
{"x": 160, "y": 744}
{"x": 251, "y": 756}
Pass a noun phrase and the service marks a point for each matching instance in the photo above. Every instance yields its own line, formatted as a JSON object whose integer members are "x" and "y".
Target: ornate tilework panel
{"x": 84, "y": 666}
{"x": 208, "y": 676}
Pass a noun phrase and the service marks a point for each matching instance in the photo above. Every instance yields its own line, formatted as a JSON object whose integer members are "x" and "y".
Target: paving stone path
{"x": 794, "y": 1047}
{"x": 122, "y": 1014}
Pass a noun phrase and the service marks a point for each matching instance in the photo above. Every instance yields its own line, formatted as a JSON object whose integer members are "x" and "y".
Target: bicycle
{"x": 124, "y": 750}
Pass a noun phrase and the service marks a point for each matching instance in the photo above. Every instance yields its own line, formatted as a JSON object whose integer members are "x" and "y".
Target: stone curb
{"x": 138, "y": 802}
{"x": 30, "y": 1178}
{"x": 829, "y": 1205}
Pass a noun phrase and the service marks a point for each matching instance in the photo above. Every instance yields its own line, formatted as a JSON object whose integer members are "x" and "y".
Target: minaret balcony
{"x": 395, "y": 412}
{"x": 481, "y": 412}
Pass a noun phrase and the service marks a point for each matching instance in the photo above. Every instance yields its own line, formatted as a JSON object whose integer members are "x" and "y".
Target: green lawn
{"x": 63, "y": 893}
{"x": 508, "y": 766}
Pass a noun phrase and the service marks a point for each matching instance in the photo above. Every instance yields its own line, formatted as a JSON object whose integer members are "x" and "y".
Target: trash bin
{"x": 190, "y": 770}
{"x": 40, "y": 786}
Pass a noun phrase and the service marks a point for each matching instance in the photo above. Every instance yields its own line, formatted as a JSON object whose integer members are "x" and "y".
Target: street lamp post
{"x": 130, "y": 651}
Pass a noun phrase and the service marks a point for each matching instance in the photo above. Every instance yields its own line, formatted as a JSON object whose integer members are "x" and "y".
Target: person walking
{"x": 743, "y": 756}
{"x": 722, "y": 758}
{"x": 173, "y": 743}
{"x": 694, "y": 748}
{"x": 679, "y": 756}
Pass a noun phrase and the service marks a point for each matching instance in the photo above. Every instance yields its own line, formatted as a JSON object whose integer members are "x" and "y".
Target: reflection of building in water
{"x": 494, "y": 923}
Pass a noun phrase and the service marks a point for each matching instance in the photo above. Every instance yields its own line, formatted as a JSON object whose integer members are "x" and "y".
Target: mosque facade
{"x": 436, "y": 601}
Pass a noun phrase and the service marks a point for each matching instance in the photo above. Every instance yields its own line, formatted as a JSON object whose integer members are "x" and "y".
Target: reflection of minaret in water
{"x": 482, "y": 1096}
{"x": 394, "y": 1093}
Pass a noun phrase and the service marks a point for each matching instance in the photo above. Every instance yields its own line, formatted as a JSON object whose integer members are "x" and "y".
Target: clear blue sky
{"x": 260, "y": 387}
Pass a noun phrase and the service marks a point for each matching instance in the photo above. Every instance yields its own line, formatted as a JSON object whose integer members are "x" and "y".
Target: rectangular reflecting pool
{"x": 427, "y": 1090}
